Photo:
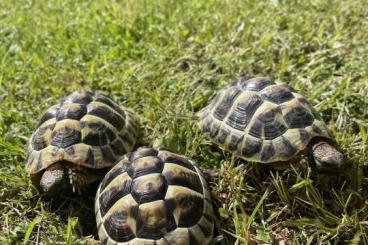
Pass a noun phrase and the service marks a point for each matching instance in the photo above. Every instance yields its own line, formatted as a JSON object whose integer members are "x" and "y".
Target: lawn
{"x": 165, "y": 59}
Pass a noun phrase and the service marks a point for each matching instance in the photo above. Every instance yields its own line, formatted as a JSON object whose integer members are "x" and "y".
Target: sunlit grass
{"x": 165, "y": 59}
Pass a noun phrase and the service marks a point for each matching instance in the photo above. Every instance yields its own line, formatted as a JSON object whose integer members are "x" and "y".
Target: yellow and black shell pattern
{"x": 85, "y": 129}
{"x": 154, "y": 197}
{"x": 262, "y": 121}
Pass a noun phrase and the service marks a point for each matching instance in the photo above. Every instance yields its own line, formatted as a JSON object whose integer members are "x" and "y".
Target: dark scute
{"x": 134, "y": 170}
{"x": 288, "y": 149}
{"x": 134, "y": 211}
{"x": 148, "y": 191}
{"x": 251, "y": 147}
{"x": 133, "y": 128}
{"x": 80, "y": 98}
{"x": 117, "y": 227}
{"x": 126, "y": 137}
{"x": 108, "y": 102}
{"x": 257, "y": 129}
{"x": 306, "y": 104}
{"x": 107, "y": 154}
{"x": 277, "y": 94}
{"x": 51, "y": 113}
{"x": 304, "y": 136}
{"x": 191, "y": 209}
{"x": 90, "y": 160}
{"x": 109, "y": 116}
{"x": 170, "y": 221}
{"x": 316, "y": 129}
{"x": 38, "y": 141}
{"x": 142, "y": 152}
{"x": 65, "y": 137}
{"x": 95, "y": 138}
{"x": 108, "y": 198}
{"x": 266, "y": 126}
{"x": 99, "y": 129}
{"x": 298, "y": 118}
{"x": 209, "y": 217}
{"x": 71, "y": 112}
{"x": 214, "y": 130}
{"x": 117, "y": 147}
{"x": 192, "y": 239}
{"x": 243, "y": 112}
{"x": 39, "y": 161}
{"x": 110, "y": 134}
{"x": 226, "y": 103}
{"x": 255, "y": 84}
{"x": 273, "y": 130}
{"x": 207, "y": 230}
{"x": 234, "y": 142}
{"x": 110, "y": 176}
{"x": 186, "y": 179}
{"x": 222, "y": 136}
{"x": 178, "y": 160}
{"x": 267, "y": 152}
{"x": 70, "y": 150}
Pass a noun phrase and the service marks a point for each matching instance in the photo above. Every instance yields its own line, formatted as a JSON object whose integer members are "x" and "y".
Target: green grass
{"x": 165, "y": 59}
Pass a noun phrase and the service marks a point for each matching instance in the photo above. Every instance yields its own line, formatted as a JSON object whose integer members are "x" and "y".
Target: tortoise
{"x": 78, "y": 140}
{"x": 263, "y": 121}
{"x": 154, "y": 196}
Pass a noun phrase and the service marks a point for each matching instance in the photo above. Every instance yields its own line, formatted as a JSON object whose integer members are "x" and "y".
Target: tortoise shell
{"x": 260, "y": 120}
{"x": 154, "y": 197}
{"x": 85, "y": 129}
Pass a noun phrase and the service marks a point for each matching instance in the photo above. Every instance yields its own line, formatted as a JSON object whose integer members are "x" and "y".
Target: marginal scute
{"x": 284, "y": 148}
{"x": 268, "y": 151}
{"x": 223, "y": 135}
{"x": 235, "y": 142}
{"x": 50, "y": 113}
{"x": 251, "y": 146}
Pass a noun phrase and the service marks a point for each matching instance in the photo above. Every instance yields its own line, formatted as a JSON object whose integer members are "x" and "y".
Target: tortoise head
{"x": 54, "y": 179}
{"x": 327, "y": 157}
